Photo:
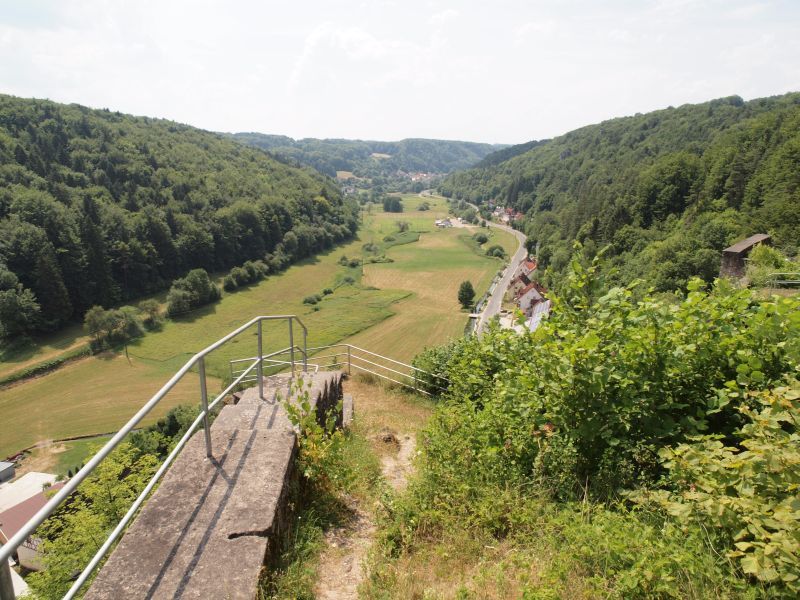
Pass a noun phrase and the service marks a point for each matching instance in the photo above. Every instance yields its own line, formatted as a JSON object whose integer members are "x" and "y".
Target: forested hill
{"x": 668, "y": 190}
{"x": 97, "y": 207}
{"x": 373, "y": 159}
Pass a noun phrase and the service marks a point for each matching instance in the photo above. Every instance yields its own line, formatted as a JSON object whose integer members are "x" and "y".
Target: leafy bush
{"x": 370, "y": 247}
{"x": 587, "y": 406}
{"x": 481, "y": 238}
{"x": 764, "y": 261}
{"x": 746, "y": 493}
{"x": 423, "y": 206}
{"x": 190, "y": 292}
{"x": 151, "y": 313}
{"x": 496, "y": 251}
{"x": 327, "y": 292}
{"x": 113, "y": 326}
{"x": 389, "y": 238}
{"x": 313, "y": 299}
{"x": 392, "y": 204}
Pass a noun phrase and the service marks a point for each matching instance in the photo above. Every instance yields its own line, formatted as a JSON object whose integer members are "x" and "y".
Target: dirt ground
{"x": 390, "y": 420}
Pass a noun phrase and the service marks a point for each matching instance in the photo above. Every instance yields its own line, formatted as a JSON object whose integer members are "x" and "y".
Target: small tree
{"x": 466, "y": 294}
{"x": 402, "y": 226}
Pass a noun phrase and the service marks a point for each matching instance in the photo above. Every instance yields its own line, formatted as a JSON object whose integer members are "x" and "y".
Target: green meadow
{"x": 394, "y": 308}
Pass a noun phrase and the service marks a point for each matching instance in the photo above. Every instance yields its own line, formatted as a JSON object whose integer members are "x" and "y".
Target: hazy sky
{"x": 492, "y": 70}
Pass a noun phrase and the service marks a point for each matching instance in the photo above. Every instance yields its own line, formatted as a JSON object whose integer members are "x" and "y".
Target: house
{"x": 526, "y": 267}
{"x": 733, "y": 258}
{"x": 443, "y": 223}
{"x": 6, "y": 471}
{"x": 14, "y": 518}
{"x": 528, "y": 297}
{"x": 519, "y": 282}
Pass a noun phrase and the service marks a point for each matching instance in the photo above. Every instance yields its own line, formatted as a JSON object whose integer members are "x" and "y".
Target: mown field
{"x": 394, "y": 308}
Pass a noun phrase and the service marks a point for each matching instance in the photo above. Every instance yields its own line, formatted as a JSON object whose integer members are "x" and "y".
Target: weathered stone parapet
{"x": 213, "y": 523}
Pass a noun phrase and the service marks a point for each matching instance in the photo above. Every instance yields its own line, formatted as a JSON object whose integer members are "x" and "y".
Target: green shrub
{"x": 481, "y": 238}
{"x": 763, "y": 262}
{"x": 747, "y": 492}
{"x": 327, "y": 292}
{"x": 151, "y": 313}
{"x": 190, "y": 292}
{"x": 229, "y": 283}
{"x": 313, "y": 299}
{"x": 496, "y": 251}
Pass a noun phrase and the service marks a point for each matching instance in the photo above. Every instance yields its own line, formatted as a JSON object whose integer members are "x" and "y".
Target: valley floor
{"x": 396, "y": 308}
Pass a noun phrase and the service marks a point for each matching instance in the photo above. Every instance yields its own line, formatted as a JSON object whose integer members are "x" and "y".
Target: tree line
{"x": 98, "y": 208}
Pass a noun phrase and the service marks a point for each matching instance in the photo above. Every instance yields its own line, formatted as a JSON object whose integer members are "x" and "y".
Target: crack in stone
{"x": 255, "y": 533}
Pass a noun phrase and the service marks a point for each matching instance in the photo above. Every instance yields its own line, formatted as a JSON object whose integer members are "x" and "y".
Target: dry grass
{"x": 379, "y": 407}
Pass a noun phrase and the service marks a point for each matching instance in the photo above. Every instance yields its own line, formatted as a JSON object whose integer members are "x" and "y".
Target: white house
{"x": 528, "y": 297}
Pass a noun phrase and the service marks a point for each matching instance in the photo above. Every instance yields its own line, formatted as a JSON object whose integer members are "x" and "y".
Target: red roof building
{"x": 12, "y": 520}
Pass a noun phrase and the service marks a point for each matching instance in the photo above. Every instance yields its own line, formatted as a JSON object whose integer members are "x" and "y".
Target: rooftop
{"x": 745, "y": 245}
{"x": 12, "y": 519}
{"x": 30, "y": 484}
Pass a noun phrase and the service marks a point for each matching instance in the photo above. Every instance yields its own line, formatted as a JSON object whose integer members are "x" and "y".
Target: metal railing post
{"x": 349, "y": 362}
{"x": 291, "y": 344}
{"x": 6, "y": 585}
{"x": 201, "y": 368}
{"x": 260, "y": 367}
{"x": 305, "y": 350}
{"x": 415, "y": 381}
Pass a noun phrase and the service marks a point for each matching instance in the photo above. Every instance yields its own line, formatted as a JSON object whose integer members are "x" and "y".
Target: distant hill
{"x": 97, "y": 207}
{"x": 668, "y": 190}
{"x": 371, "y": 158}
{"x": 507, "y": 153}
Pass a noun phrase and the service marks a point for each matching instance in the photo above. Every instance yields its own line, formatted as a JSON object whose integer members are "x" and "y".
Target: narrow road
{"x": 495, "y": 301}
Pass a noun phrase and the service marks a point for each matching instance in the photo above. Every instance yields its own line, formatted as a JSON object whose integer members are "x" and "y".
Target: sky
{"x": 497, "y": 71}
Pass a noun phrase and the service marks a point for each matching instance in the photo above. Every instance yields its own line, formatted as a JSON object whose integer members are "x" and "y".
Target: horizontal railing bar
{"x": 233, "y": 384}
{"x": 276, "y": 353}
{"x": 390, "y": 379}
{"x": 356, "y": 357}
{"x": 369, "y": 362}
{"x": 396, "y": 361}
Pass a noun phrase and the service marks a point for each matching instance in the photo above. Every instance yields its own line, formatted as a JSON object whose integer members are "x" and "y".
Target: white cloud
{"x": 502, "y": 72}
{"x": 443, "y": 17}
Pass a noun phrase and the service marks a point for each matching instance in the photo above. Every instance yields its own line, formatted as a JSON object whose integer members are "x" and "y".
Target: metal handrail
{"x": 350, "y": 351}
{"x": 7, "y": 549}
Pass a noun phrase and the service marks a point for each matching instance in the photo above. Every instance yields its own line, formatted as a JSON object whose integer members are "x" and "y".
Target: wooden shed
{"x": 733, "y": 258}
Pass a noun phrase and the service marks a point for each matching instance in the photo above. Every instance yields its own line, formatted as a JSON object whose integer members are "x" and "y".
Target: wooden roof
{"x": 747, "y": 244}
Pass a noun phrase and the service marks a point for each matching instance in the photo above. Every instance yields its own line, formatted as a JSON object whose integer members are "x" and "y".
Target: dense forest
{"x": 371, "y": 159}
{"x": 667, "y": 190}
{"x": 97, "y": 208}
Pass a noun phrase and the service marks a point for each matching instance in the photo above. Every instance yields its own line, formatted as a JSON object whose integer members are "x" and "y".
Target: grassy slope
{"x": 416, "y": 307}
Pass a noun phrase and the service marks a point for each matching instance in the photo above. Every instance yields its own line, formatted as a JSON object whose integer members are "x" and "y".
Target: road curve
{"x": 495, "y": 301}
